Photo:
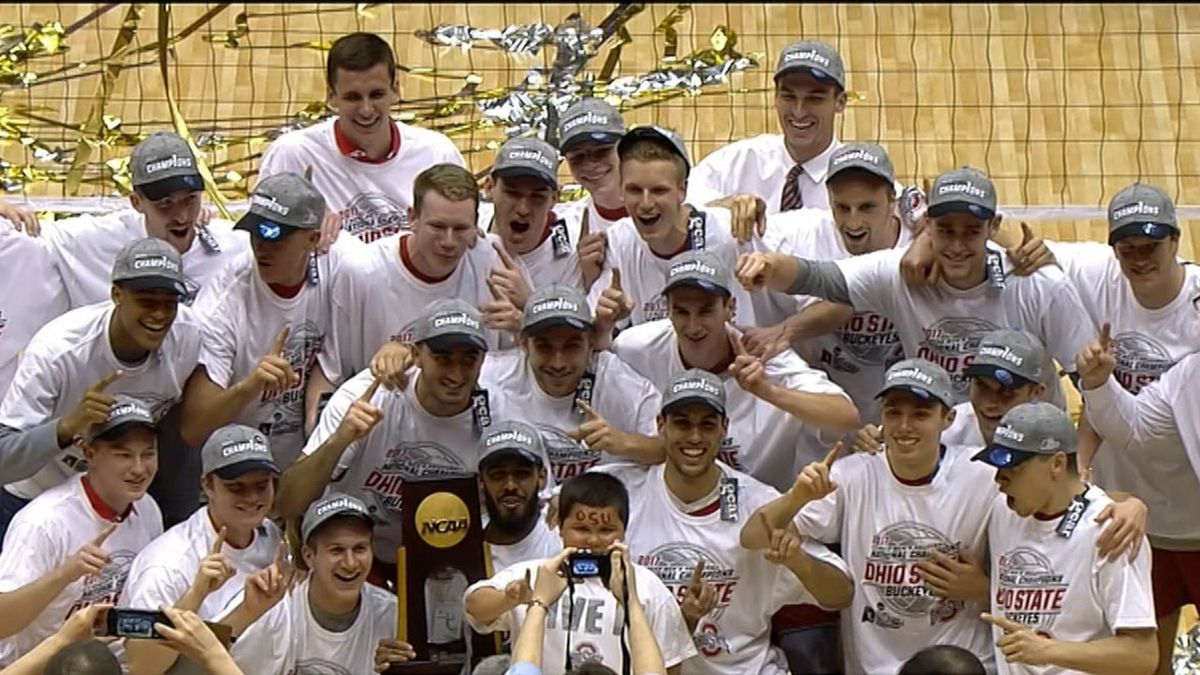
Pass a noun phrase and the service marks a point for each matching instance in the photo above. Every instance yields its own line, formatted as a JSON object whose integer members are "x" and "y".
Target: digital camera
{"x": 588, "y": 564}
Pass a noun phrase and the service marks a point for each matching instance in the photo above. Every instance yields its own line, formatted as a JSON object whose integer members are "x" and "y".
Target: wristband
{"x": 536, "y": 602}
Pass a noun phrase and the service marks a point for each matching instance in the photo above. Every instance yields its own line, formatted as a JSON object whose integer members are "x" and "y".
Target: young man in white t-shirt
{"x": 587, "y": 625}
{"x": 141, "y": 343}
{"x": 512, "y": 473}
{"x": 778, "y": 408}
{"x": 691, "y": 511}
{"x": 72, "y": 546}
{"x": 362, "y": 160}
{"x": 333, "y": 620}
{"x": 661, "y": 225}
{"x": 891, "y": 512}
{"x": 167, "y": 203}
{"x": 265, "y": 322}
{"x": 588, "y": 132}
{"x": 225, "y": 562}
{"x": 381, "y": 294}
{"x": 1057, "y": 605}
{"x": 589, "y": 406}
{"x": 786, "y": 171}
{"x": 865, "y": 218}
{"x": 370, "y": 439}
{"x": 524, "y": 190}
{"x": 976, "y": 293}
{"x": 30, "y": 296}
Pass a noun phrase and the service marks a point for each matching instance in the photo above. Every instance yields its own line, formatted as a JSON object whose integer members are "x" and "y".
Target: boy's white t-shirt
{"x": 625, "y": 399}
{"x": 1146, "y": 343}
{"x": 242, "y": 319}
{"x": 409, "y": 443}
{"x": 597, "y": 619}
{"x": 644, "y": 272}
{"x": 541, "y": 543}
{"x": 31, "y": 294}
{"x": 290, "y": 641}
{"x": 72, "y": 353}
{"x": 48, "y": 531}
{"x": 1062, "y": 587}
{"x": 944, "y": 324}
{"x": 764, "y": 441}
{"x": 376, "y": 298}
{"x": 372, "y": 198}
{"x": 85, "y": 247}
{"x": 855, "y": 356}
{"x": 885, "y": 528}
{"x": 734, "y": 638}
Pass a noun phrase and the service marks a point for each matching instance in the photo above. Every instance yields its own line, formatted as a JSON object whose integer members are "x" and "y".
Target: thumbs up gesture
{"x": 699, "y": 599}
{"x": 814, "y": 482}
{"x": 955, "y": 578}
{"x": 1030, "y": 254}
{"x": 1096, "y": 361}
{"x": 274, "y": 374}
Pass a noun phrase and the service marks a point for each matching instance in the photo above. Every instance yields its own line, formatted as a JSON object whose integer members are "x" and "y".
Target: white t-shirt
{"x": 1147, "y": 342}
{"x": 586, "y": 208}
{"x": 734, "y": 638}
{"x": 598, "y": 620}
{"x": 31, "y": 294}
{"x": 619, "y": 394}
{"x": 553, "y": 261}
{"x": 290, "y": 641}
{"x": 944, "y": 324}
{"x": 539, "y": 544}
{"x": 409, "y": 443}
{"x": 47, "y": 532}
{"x": 373, "y": 199}
{"x": 644, "y": 272}
{"x": 759, "y": 166}
{"x": 764, "y": 441}
{"x": 965, "y": 428}
{"x": 165, "y": 569}
{"x": 84, "y": 248}
{"x": 242, "y": 318}
{"x": 377, "y": 298}
{"x": 885, "y": 528}
{"x": 1061, "y": 587}
{"x": 857, "y": 355}
{"x": 72, "y": 353}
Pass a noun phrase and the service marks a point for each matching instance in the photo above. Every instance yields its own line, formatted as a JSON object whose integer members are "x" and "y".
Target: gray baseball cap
{"x": 528, "y": 157}
{"x": 590, "y": 119}
{"x": 511, "y": 439}
{"x": 333, "y": 505}
{"x": 866, "y": 156}
{"x": 701, "y": 269}
{"x": 1011, "y": 357}
{"x": 235, "y": 450}
{"x": 963, "y": 189}
{"x": 557, "y": 305}
{"x": 663, "y": 136}
{"x": 449, "y": 322}
{"x": 125, "y": 410}
{"x": 925, "y": 379}
{"x": 150, "y": 264}
{"x": 164, "y": 163}
{"x": 816, "y": 58}
{"x": 694, "y": 386}
{"x": 1028, "y": 430}
{"x": 280, "y": 204}
{"x": 1143, "y": 210}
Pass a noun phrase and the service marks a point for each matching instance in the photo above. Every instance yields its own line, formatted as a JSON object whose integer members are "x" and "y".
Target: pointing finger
{"x": 616, "y": 279}
{"x": 587, "y": 409}
{"x": 281, "y": 340}
{"x": 1026, "y": 233}
{"x": 697, "y": 575}
{"x": 219, "y": 542}
{"x": 496, "y": 294}
{"x": 833, "y": 455}
{"x": 104, "y": 534}
{"x": 528, "y": 577}
{"x": 739, "y": 344}
{"x": 1106, "y": 336}
{"x": 104, "y": 382}
{"x": 1001, "y": 623}
{"x": 505, "y": 259}
{"x": 370, "y": 392}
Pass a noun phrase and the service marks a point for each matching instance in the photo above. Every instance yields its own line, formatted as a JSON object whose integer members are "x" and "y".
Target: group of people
{"x": 813, "y": 418}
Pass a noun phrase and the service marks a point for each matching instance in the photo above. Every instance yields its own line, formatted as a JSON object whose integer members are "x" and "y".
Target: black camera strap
{"x": 626, "y": 660}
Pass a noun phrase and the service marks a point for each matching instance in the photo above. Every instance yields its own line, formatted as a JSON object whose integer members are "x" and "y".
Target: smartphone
{"x": 135, "y": 623}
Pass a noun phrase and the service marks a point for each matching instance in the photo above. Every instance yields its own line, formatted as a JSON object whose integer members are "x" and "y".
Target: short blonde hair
{"x": 448, "y": 180}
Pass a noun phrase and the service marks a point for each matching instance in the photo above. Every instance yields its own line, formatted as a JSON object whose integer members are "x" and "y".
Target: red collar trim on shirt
{"x": 610, "y": 214}
{"x": 707, "y": 509}
{"x": 550, "y": 220}
{"x": 349, "y": 149}
{"x": 104, "y": 510}
{"x": 926, "y": 480}
{"x": 406, "y": 260}
{"x": 687, "y": 245}
{"x": 1050, "y": 516}
{"x": 287, "y": 292}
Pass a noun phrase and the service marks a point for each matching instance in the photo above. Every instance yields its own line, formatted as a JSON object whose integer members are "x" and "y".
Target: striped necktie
{"x": 791, "y": 190}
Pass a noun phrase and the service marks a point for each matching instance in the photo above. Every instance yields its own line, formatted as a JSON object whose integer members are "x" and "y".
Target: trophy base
{"x": 425, "y": 668}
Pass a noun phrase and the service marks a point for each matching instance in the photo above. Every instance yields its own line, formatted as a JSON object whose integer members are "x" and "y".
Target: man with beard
{"x": 589, "y": 406}
{"x": 140, "y": 343}
{"x": 72, "y": 546}
{"x": 692, "y": 508}
{"x": 512, "y": 472}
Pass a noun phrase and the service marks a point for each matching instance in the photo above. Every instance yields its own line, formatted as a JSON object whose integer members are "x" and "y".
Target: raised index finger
{"x": 1106, "y": 336}
{"x": 281, "y": 340}
{"x": 219, "y": 542}
{"x": 107, "y": 380}
{"x": 833, "y": 455}
{"x": 616, "y": 279}
{"x": 587, "y": 409}
{"x": 104, "y": 534}
{"x": 698, "y": 573}
{"x": 1026, "y": 233}
{"x": 505, "y": 259}
{"x": 370, "y": 392}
